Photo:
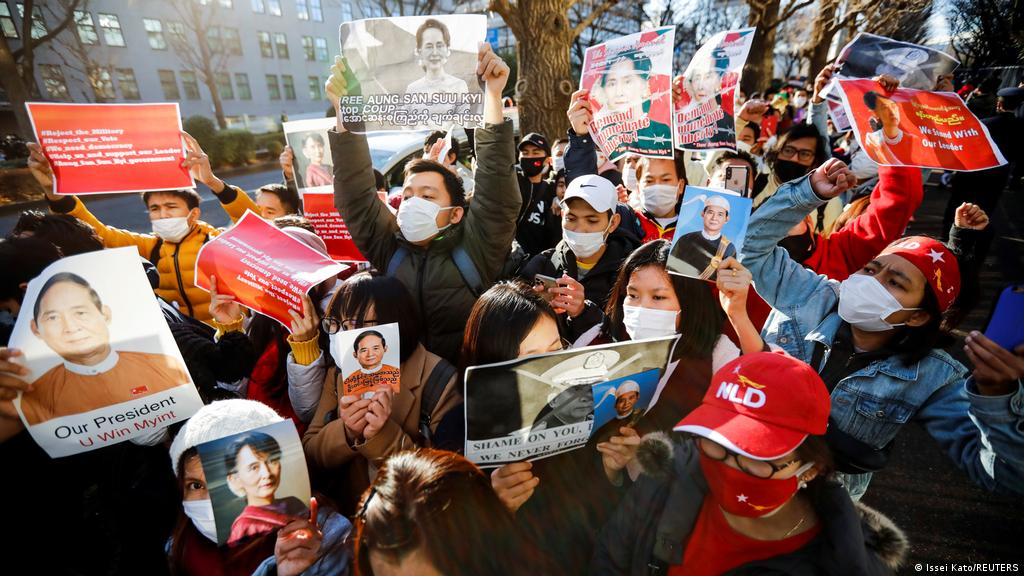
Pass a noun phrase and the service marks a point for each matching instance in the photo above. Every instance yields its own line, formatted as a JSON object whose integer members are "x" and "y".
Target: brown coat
{"x": 330, "y": 450}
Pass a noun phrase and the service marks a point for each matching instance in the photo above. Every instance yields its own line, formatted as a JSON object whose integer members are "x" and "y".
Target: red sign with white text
{"x": 917, "y": 128}
{"x": 105, "y": 148}
{"x": 265, "y": 269}
{"x": 319, "y": 209}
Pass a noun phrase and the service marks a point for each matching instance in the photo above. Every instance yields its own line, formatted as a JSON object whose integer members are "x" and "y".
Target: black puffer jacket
{"x": 641, "y": 539}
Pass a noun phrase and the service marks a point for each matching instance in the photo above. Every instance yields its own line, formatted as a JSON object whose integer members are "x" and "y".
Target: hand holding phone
{"x": 545, "y": 284}
{"x": 1006, "y": 324}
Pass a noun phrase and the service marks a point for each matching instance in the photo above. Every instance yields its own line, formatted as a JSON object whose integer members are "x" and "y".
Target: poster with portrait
{"x": 412, "y": 72}
{"x": 312, "y": 161}
{"x": 917, "y": 67}
{"x": 370, "y": 360}
{"x": 629, "y": 84}
{"x": 103, "y": 365}
{"x": 705, "y": 115}
{"x": 538, "y": 406}
{"x": 917, "y": 128}
{"x": 257, "y": 481}
{"x": 711, "y": 227}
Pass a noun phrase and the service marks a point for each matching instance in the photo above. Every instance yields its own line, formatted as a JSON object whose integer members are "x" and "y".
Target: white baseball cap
{"x": 719, "y": 201}
{"x": 599, "y": 192}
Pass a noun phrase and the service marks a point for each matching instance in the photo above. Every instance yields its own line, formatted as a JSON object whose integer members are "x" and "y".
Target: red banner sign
{"x": 104, "y": 148}
{"x": 320, "y": 211}
{"x": 264, "y": 268}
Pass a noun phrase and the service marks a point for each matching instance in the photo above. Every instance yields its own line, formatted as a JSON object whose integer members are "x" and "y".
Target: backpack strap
{"x": 396, "y": 260}
{"x": 468, "y": 271}
{"x": 432, "y": 390}
{"x": 154, "y": 254}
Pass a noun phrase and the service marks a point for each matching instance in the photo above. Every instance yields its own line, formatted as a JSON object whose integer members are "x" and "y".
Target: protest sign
{"x": 412, "y": 72}
{"x": 629, "y": 84}
{"x": 917, "y": 128}
{"x": 320, "y": 211}
{"x": 257, "y": 481}
{"x": 102, "y": 362}
{"x": 838, "y": 115}
{"x": 265, "y": 269}
{"x": 106, "y": 148}
{"x": 705, "y": 115}
{"x": 369, "y": 359}
{"x": 534, "y": 407}
{"x": 711, "y": 227}
{"x": 868, "y": 55}
{"x": 312, "y": 160}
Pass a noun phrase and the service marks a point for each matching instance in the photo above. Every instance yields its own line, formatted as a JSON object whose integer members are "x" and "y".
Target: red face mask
{"x": 741, "y": 494}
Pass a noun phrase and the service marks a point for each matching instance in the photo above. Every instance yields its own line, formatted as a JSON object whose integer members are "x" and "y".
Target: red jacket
{"x": 652, "y": 230}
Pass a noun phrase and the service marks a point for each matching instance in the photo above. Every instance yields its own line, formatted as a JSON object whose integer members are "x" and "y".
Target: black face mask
{"x": 787, "y": 170}
{"x": 531, "y": 166}
{"x": 799, "y": 246}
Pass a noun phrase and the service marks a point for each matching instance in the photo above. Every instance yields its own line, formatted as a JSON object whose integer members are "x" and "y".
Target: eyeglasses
{"x": 756, "y": 468}
{"x": 791, "y": 151}
{"x": 333, "y": 325}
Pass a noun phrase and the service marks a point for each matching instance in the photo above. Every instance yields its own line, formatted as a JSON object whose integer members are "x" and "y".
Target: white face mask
{"x": 799, "y": 101}
{"x": 659, "y": 198}
{"x": 584, "y": 244}
{"x": 629, "y": 178}
{"x": 865, "y": 303}
{"x": 743, "y": 147}
{"x": 641, "y": 323}
{"x": 558, "y": 162}
{"x": 172, "y": 229}
{"x": 201, "y": 514}
{"x": 417, "y": 218}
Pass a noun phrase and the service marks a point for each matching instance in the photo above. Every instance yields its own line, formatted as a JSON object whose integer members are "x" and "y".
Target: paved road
{"x": 127, "y": 211}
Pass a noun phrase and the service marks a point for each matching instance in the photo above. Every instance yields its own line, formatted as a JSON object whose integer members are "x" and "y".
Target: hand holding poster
{"x": 257, "y": 481}
{"x": 103, "y": 365}
{"x": 711, "y": 227}
{"x": 265, "y": 269}
{"x": 369, "y": 360}
{"x": 534, "y": 407}
{"x": 628, "y": 80}
{"x": 917, "y": 128}
{"x": 312, "y": 163}
{"x": 106, "y": 148}
{"x": 704, "y": 116}
{"x": 413, "y": 72}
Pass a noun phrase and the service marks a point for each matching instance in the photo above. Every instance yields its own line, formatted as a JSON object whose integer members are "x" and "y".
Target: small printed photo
{"x": 257, "y": 481}
{"x": 311, "y": 149}
{"x": 625, "y": 399}
{"x": 370, "y": 360}
{"x": 712, "y": 226}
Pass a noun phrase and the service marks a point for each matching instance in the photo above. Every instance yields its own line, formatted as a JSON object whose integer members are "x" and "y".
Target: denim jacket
{"x": 984, "y": 435}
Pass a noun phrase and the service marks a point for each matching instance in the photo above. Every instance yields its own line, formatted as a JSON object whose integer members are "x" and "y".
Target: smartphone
{"x": 736, "y": 179}
{"x": 1006, "y": 324}
{"x": 548, "y": 282}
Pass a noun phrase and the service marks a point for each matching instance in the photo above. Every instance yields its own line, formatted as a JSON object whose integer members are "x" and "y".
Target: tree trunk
{"x": 821, "y": 39}
{"x": 16, "y": 90}
{"x": 545, "y": 78}
{"x": 210, "y": 79}
{"x": 760, "y": 67}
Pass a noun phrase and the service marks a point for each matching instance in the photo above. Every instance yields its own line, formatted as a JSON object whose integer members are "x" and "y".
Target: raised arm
{"x": 234, "y": 200}
{"x": 580, "y": 157}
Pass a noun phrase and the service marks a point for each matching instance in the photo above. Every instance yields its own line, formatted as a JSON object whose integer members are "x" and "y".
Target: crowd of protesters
{"x": 840, "y": 319}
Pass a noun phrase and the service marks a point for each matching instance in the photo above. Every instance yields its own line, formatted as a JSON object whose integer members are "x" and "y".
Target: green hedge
{"x": 272, "y": 142}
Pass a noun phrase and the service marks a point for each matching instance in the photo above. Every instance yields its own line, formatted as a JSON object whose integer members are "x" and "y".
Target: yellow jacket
{"x": 176, "y": 263}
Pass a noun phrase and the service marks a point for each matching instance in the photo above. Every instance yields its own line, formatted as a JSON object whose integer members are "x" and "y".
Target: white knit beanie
{"x": 220, "y": 419}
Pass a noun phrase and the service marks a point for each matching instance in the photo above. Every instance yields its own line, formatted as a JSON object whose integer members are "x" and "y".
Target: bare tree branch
{"x": 29, "y": 42}
{"x": 594, "y": 14}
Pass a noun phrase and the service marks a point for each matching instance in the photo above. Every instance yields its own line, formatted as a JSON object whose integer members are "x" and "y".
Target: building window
{"x": 273, "y": 88}
{"x": 102, "y": 83}
{"x": 346, "y": 11}
{"x": 321, "y": 49}
{"x": 111, "y": 27}
{"x": 266, "y": 48}
{"x": 190, "y": 83}
{"x": 7, "y": 23}
{"x": 155, "y": 32}
{"x": 307, "y": 48}
{"x": 282, "y": 45}
{"x": 314, "y": 88}
{"x": 232, "y": 41}
{"x": 301, "y": 9}
{"x": 86, "y": 28}
{"x": 229, "y": 4}
{"x": 274, "y": 7}
{"x": 53, "y": 82}
{"x": 316, "y": 11}
{"x": 169, "y": 84}
{"x": 242, "y": 85}
{"x": 129, "y": 86}
{"x": 289, "y": 86}
{"x": 259, "y": 6}
{"x": 213, "y": 40}
{"x": 38, "y": 23}
{"x": 224, "y": 87}
{"x": 176, "y": 33}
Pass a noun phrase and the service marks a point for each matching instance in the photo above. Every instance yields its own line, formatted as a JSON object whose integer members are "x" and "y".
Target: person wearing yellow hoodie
{"x": 178, "y": 233}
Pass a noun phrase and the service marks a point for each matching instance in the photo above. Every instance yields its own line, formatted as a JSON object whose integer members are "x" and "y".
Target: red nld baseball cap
{"x": 761, "y": 405}
{"x": 935, "y": 261}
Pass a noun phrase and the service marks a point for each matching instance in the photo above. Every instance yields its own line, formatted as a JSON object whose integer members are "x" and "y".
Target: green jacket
{"x": 443, "y": 299}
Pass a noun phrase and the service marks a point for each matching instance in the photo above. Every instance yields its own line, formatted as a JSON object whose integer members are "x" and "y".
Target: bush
{"x": 234, "y": 147}
{"x": 202, "y": 129}
{"x": 272, "y": 142}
